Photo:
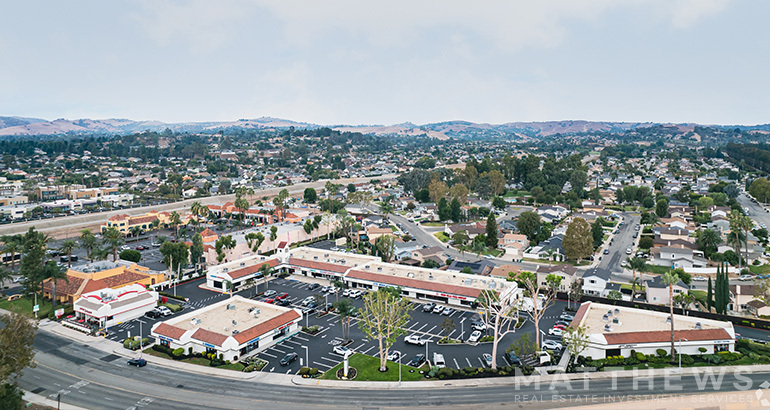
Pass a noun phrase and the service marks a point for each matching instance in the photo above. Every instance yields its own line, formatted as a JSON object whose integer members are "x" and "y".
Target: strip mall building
{"x": 363, "y": 272}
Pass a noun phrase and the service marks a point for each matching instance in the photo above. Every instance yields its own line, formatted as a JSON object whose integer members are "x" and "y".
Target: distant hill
{"x": 19, "y": 126}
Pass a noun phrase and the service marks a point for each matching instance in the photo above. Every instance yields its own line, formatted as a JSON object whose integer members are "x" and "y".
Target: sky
{"x": 362, "y": 62}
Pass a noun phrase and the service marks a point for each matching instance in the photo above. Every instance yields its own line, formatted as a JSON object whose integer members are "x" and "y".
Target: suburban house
{"x": 678, "y": 257}
{"x": 740, "y": 296}
{"x": 435, "y": 253}
{"x": 595, "y": 281}
{"x": 551, "y": 247}
{"x": 473, "y": 229}
{"x": 477, "y": 268}
{"x": 568, "y": 274}
{"x": 514, "y": 246}
{"x": 758, "y": 308}
{"x": 658, "y": 292}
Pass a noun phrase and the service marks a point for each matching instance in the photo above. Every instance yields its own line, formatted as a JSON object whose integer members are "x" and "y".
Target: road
{"x": 623, "y": 238}
{"x": 757, "y": 212}
{"x": 70, "y": 225}
{"x": 90, "y": 378}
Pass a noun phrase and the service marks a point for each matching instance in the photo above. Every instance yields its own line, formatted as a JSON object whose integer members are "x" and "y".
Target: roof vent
{"x": 605, "y": 318}
{"x": 615, "y": 321}
{"x": 243, "y": 264}
{"x": 607, "y": 328}
{"x": 698, "y": 325}
{"x": 315, "y": 258}
{"x": 379, "y": 269}
{"x": 326, "y": 255}
{"x": 617, "y": 311}
{"x": 668, "y": 319}
{"x": 366, "y": 267}
{"x": 224, "y": 270}
{"x": 230, "y": 306}
{"x": 609, "y": 313}
{"x": 430, "y": 277}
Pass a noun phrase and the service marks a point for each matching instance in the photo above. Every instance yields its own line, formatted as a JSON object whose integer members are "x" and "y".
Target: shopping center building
{"x": 234, "y": 328}
{"x": 108, "y": 307}
{"x": 617, "y": 330}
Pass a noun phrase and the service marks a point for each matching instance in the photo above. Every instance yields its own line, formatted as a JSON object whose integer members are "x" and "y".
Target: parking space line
{"x": 368, "y": 350}
{"x": 450, "y": 334}
{"x": 469, "y": 362}
{"x": 431, "y": 329}
{"x": 415, "y": 324}
{"x": 457, "y": 366}
{"x": 268, "y": 354}
{"x": 362, "y": 345}
{"x": 423, "y": 327}
{"x": 301, "y": 338}
{"x": 322, "y": 366}
{"x": 329, "y": 360}
{"x": 294, "y": 343}
{"x": 278, "y": 350}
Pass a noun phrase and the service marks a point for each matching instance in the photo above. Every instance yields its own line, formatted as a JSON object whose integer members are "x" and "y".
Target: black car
{"x": 288, "y": 359}
{"x": 153, "y": 314}
{"x": 139, "y": 362}
{"x": 313, "y": 286}
{"x": 512, "y": 359}
{"x": 417, "y": 360}
{"x": 282, "y": 302}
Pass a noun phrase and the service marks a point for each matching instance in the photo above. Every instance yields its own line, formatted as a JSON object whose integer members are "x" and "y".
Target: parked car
{"x": 559, "y": 326}
{"x": 567, "y": 316}
{"x": 394, "y": 355}
{"x": 417, "y": 360}
{"x": 341, "y": 350}
{"x": 475, "y": 336}
{"x": 308, "y": 300}
{"x": 164, "y": 311}
{"x": 438, "y": 309}
{"x": 564, "y": 322}
{"x": 428, "y": 307}
{"x": 153, "y": 314}
{"x": 551, "y": 345}
{"x": 512, "y": 359}
{"x": 289, "y": 358}
{"x": 155, "y": 245}
{"x": 479, "y": 325}
{"x": 746, "y": 277}
{"x": 487, "y": 359}
{"x": 138, "y": 362}
{"x": 606, "y": 251}
{"x": 283, "y": 302}
{"x": 125, "y": 248}
{"x": 269, "y": 293}
{"x": 700, "y": 279}
{"x": 438, "y": 360}
{"x": 555, "y": 331}
{"x": 414, "y": 340}
{"x": 313, "y": 286}
{"x": 448, "y": 311}
{"x": 282, "y": 296}
{"x": 269, "y": 300}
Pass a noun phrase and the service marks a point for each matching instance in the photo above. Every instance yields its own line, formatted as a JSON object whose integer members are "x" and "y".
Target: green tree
{"x": 310, "y": 196}
{"x": 273, "y": 233}
{"x": 597, "y": 232}
{"x": 578, "y": 241}
{"x": 66, "y": 248}
{"x": 54, "y": 272}
{"x": 222, "y": 245}
{"x": 661, "y": 208}
{"x": 386, "y": 246}
{"x": 528, "y": 224}
{"x": 114, "y": 239}
{"x": 670, "y": 279}
{"x": 710, "y": 296}
{"x": 17, "y": 335}
{"x": 383, "y": 318}
{"x": 130, "y": 255}
{"x": 345, "y": 311}
{"x": 444, "y": 212}
{"x": 499, "y": 311}
{"x": 242, "y": 205}
{"x": 637, "y": 265}
{"x": 499, "y": 203}
{"x": 175, "y": 256}
{"x": 708, "y": 240}
{"x": 175, "y": 220}
{"x": 12, "y": 245}
{"x": 447, "y": 326}
{"x": 460, "y": 237}
{"x": 88, "y": 243}
{"x": 491, "y": 231}
{"x": 196, "y": 250}
{"x": 614, "y": 295}
{"x": 541, "y": 298}
{"x": 455, "y": 210}
{"x": 577, "y": 340}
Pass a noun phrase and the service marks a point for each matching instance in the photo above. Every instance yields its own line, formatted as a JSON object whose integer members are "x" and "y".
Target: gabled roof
{"x": 665, "y": 336}
{"x": 248, "y": 270}
{"x": 266, "y": 326}
{"x": 657, "y": 282}
{"x": 210, "y": 337}
{"x": 164, "y": 329}
{"x": 565, "y": 268}
{"x": 598, "y": 272}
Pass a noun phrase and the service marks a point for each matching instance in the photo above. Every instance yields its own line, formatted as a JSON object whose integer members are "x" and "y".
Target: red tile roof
{"x": 141, "y": 220}
{"x": 414, "y": 283}
{"x": 167, "y": 330}
{"x": 239, "y": 273}
{"x": 208, "y": 232}
{"x": 210, "y": 337}
{"x": 330, "y": 267}
{"x": 665, "y": 336}
{"x": 64, "y": 288}
{"x": 581, "y": 312}
{"x": 266, "y": 326}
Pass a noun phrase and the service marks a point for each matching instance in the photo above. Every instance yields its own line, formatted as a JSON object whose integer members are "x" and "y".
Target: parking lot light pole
{"x": 307, "y": 361}
{"x": 680, "y": 352}
{"x": 141, "y": 346}
{"x": 399, "y": 369}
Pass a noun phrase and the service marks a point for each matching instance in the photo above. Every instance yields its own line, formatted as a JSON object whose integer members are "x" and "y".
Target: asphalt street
{"x": 83, "y": 376}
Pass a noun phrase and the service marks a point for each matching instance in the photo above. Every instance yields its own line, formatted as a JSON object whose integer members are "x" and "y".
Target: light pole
{"x": 426, "y": 350}
{"x": 462, "y": 328}
{"x": 399, "y": 369}
{"x": 141, "y": 346}
{"x": 680, "y": 352}
{"x": 307, "y": 361}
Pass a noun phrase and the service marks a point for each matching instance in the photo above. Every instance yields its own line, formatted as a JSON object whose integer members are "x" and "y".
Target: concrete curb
{"x": 45, "y": 401}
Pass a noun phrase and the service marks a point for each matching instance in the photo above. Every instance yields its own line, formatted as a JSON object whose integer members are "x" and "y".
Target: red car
{"x": 282, "y": 296}
{"x": 140, "y": 248}
{"x": 268, "y": 300}
{"x": 562, "y": 327}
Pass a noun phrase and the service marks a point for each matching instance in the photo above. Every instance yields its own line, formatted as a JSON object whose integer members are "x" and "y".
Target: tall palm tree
{"x": 670, "y": 278}
{"x": 135, "y": 230}
{"x": 67, "y": 247}
{"x": 735, "y": 236}
{"x": 113, "y": 238}
{"x": 175, "y": 221}
{"x": 54, "y": 272}
{"x": 745, "y": 223}
{"x": 12, "y": 244}
{"x": 5, "y": 274}
{"x": 88, "y": 242}
{"x": 637, "y": 264}
{"x": 735, "y": 239}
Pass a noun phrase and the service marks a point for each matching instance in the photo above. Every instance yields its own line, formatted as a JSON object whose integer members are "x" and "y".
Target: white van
{"x": 438, "y": 360}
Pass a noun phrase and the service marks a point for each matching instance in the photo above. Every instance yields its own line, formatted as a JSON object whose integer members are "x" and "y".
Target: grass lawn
{"x": 368, "y": 370}
{"x": 657, "y": 269}
{"x": 760, "y": 270}
{"x": 628, "y": 286}
{"x": 24, "y": 306}
{"x": 200, "y": 361}
{"x": 700, "y": 296}
{"x": 441, "y": 236}
{"x": 432, "y": 224}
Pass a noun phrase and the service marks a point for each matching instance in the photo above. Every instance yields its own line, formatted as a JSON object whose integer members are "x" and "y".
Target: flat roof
{"x": 637, "y": 325}
{"x": 429, "y": 279}
{"x": 345, "y": 259}
{"x": 217, "y": 318}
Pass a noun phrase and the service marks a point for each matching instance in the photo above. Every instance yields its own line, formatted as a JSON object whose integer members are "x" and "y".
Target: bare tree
{"x": 501, "y": 313}
{"x": 383, "y": 318}
{"x": 577, "y": 340}
{"x": 541, "y": 298}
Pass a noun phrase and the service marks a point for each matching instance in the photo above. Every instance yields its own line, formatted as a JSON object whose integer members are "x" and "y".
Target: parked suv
{"x": 417, "y": 360}
{"x": 478, "y": 325}
{"x": 428, "y": 307}
{"x": 164, "y": 311}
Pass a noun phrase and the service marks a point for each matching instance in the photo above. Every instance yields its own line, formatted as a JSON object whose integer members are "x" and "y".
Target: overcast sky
{"x": 361, "y": 62}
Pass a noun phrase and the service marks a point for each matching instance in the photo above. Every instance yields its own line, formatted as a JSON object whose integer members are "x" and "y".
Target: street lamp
{"x": 426, "y": 349}
{"x": 680, "y": 352}
{"x": 141, "y": 346}
{"x": 399, "y": 369}
{"x": 307, "y": 361}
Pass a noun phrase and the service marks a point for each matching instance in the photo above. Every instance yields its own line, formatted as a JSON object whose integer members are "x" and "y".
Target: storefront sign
{"x": 168, "y": 339}
{"x": 59, "y": 312}
{"x": 452, "y": 296}
{"x": 254, "y": 340}
{"x": 209, "y": 345}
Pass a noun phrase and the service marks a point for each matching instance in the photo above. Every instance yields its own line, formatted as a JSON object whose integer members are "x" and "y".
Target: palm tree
{"x": 242, "y": 205}
{"x": 745, "y": 223}
{"x": 113, "y": 238}
{"x": 735, "y": 239}
{"x": 175, "y": 221}
{"x": 5, "y": 274}
{"x": 12, "y": 244}
{"x": 88, "y": 242}
{"x": 670, "y": 278}
{"x": 54, "y": 272}
{"x": 345, "y": 309}
{"x": 135, "y": 230}
{"x": 549, "y": 254}
{"x": 67, "y": 247}
{"x": 637, "y": 264}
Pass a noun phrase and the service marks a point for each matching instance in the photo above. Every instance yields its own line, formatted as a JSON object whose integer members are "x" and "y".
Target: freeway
{"x": 84, "y": 376}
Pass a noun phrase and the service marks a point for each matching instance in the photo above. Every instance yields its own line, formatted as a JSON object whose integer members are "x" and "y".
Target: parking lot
{"x": 318, "y": 348}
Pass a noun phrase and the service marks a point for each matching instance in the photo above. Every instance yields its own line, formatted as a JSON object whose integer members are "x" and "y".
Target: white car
{"x": 268, "y": 293}
{"x": 414, "y": 340}
{"x": 438, "y": 360}
{"x": 745, "y": 277}
{"x": 700, "y": 278}
{"x": 394, "y": 355}
{"x": 555, "y": 331}
{"x": 475, "y": 336}
{"x": 125, "y": 248}
{"x": 164, "y": 311}
{"x": 341, "y": 350}
{"x": 551, "y": 345}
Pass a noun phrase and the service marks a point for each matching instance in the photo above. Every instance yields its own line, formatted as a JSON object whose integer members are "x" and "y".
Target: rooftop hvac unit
{"x": 230, "y": 306}
{"x": 617, "y": 311}
{"x": 315, "y": 258}
{"x": 235, "y": 323}
{"x": 615, "y": 321}
{"x": 605, "y": 318}
{"x": 607, "y": 328}
{"x": 668, "y": 319}
{"x": 243, "y": 264}
{"x": 609, "y": 313}
{"x": 366, "y": 267}
{"x": 698, "y": 325}
{"x": 379, "y": 268}
{"x": 235, "y": 332}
